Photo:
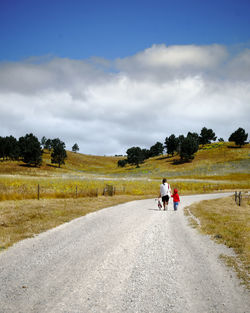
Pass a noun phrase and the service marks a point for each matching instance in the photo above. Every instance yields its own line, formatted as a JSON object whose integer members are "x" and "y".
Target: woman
{"x": 165, "y": 193}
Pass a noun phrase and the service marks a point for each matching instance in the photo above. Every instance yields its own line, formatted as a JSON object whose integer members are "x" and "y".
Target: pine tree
{"x": 188, "y": 148}
{"x": 171, "y": 144}
{"x": 135, "y": 156}
{"x": 206, "y": 136}
{"x": 58, "y": 154}
{"x": 156, "y": 149}
{"x": 75, "y": 148}
{"x": 30, "y": 150}
{"x": 239, "y": 137}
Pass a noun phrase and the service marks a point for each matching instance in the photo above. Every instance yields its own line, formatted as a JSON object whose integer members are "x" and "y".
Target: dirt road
{"x": 127, "y": 258}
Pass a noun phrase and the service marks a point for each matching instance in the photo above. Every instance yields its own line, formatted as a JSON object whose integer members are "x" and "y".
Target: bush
{"x": 122, "y": 163}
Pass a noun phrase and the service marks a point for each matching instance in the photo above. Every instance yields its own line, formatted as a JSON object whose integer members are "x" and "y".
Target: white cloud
{"x": 141, "y": 100}
{"x": 176, "y": 57}
{"x": 162, "y": 63}
{"x": 239, "y": 67}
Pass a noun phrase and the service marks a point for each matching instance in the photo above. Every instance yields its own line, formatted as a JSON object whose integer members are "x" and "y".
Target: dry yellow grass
{"x": 229, "y": 224}
{"x": 20, "y": 188}
{"x": 209, "y": 154}
{"x": 25, "y": 218}
{"x": 233, "y": 177}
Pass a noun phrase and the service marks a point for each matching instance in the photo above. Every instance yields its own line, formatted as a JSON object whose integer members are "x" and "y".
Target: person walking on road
{"x": 176, "y": 199}
{"x": 165, "y": 193}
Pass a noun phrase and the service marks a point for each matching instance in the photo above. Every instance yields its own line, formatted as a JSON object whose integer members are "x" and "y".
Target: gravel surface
{"x": 126, "y": 258}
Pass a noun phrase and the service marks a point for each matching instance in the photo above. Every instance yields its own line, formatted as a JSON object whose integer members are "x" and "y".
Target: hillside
{"x": 217, "y": 160}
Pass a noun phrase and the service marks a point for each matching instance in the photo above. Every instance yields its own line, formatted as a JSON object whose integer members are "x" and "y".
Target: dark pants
{"x": 165, "y": 199}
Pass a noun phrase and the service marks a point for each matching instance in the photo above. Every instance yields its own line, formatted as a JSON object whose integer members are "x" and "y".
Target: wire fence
{"x": 40, "y": 191}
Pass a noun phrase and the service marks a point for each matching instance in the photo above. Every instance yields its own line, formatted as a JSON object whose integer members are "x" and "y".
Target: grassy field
{"x": 32, "y": 187}
{"x": 229, "y": 224}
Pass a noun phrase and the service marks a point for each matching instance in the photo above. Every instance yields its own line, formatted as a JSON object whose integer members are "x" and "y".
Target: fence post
{"x": 76, "y": 191}
{"x": 38, "y": 192}
{"x": 239, "y": 196}
{"x": 109, "y": 189}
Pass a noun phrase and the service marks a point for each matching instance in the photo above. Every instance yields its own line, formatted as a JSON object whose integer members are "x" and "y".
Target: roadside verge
{"x": 229, "y": 224}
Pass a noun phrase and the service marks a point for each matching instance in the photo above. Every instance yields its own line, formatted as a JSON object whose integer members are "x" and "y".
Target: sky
{"x": 109, "y": 75}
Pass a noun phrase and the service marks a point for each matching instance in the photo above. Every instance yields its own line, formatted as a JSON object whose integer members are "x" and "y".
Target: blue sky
{"x": 81, "y": 29}
{"x": 110, "y": 75}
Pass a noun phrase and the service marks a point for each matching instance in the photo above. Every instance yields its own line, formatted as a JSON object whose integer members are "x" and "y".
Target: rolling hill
{"x": 216, "y": 160}
{"x": 217, "y": 166}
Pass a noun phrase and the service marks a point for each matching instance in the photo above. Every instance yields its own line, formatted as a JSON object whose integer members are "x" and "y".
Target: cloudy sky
{"x": 110, "y": 75}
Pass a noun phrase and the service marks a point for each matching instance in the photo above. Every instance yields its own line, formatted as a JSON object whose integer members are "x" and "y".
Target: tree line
{"x": 184, "y": 146}
{"x": 28, "y": 149}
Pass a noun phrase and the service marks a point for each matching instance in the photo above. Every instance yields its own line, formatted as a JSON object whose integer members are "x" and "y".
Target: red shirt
{"x": 176, "y": 197}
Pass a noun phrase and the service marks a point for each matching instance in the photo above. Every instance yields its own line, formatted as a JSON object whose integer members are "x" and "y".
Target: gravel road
{"x": 126, "y": 258}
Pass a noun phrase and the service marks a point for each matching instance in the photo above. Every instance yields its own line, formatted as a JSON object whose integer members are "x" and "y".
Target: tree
{"x": 122, "y": 163}
{"x": 59, "y": 154}
{"x": 2, "y": 147}
{"x": 221, "y": 139}
{"x": 12, "y": 149}
{"x": 180, "y": 141}
{"x": 195, "y": 136}
{"x": 239, "y": 137}
{"x": 171, "y": 144}
{"x": 146, "y": 153}
{"x": 135, "y": 156}
{"x": 75, "y": 148}
{"x": 9, "y": 148}
{"x": 156, "y": 149}
{"x": 30, "y": 150}
{"x": 48, "y": 144}
{"x": 188, "y": 148}
{"x": 43, "y": 141}
{"x": 206, "y": 136}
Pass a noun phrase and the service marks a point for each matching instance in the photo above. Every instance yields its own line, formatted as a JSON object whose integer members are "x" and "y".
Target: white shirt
{"x": 165, "y": 190}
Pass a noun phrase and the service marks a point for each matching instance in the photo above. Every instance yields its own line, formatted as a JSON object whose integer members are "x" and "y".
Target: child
{"x": 176, "y": 199}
